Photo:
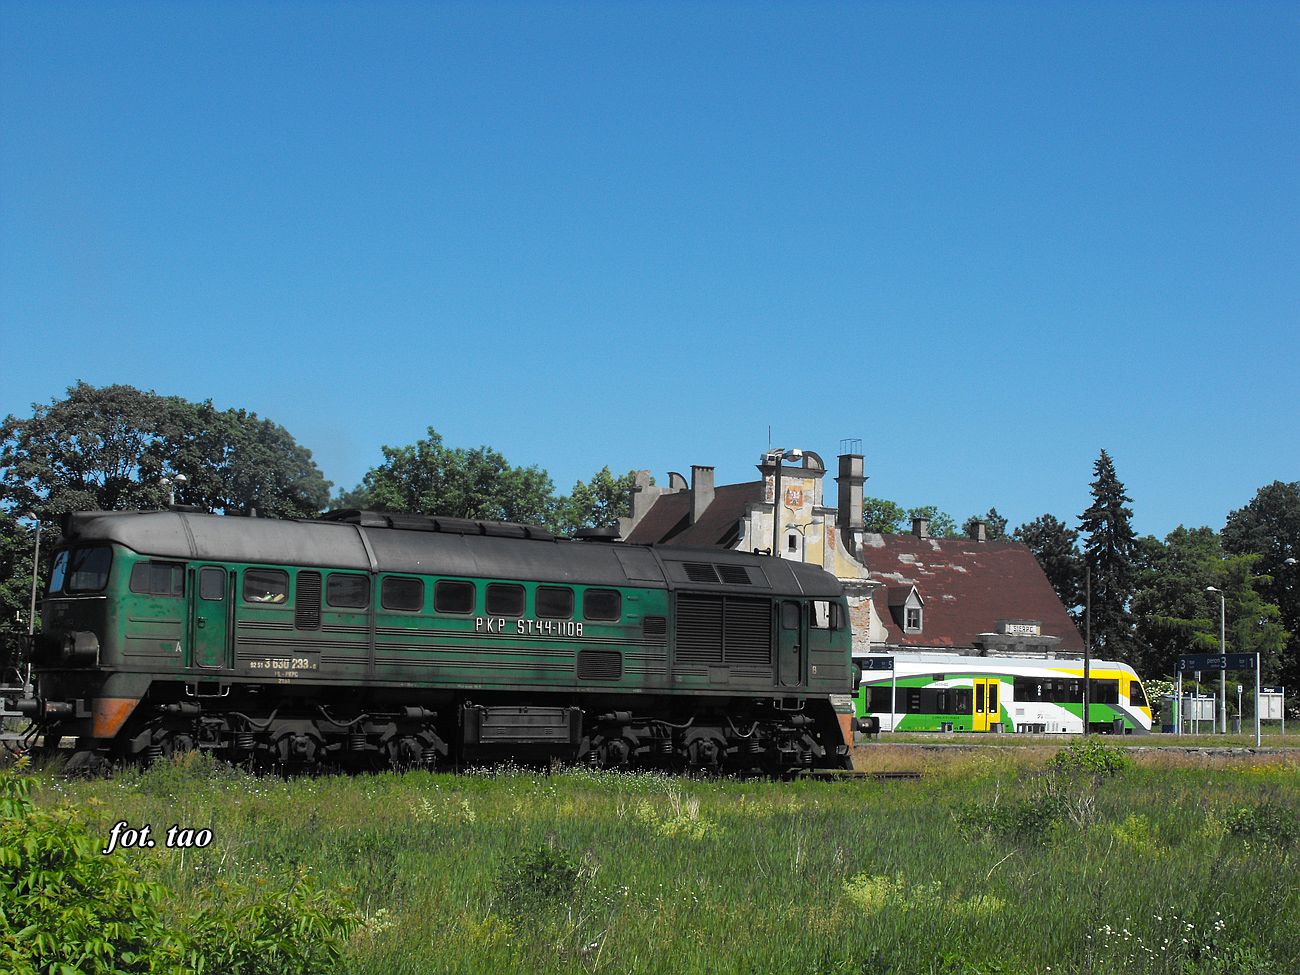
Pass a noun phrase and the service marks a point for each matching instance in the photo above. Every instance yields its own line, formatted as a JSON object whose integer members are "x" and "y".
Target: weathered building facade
{"x": 907, "y": 592}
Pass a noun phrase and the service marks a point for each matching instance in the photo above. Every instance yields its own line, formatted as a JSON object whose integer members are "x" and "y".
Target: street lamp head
{"x": 1212, "y": 589}
{"x": 181, "y": 479}
{"x": 1288, "y": 561}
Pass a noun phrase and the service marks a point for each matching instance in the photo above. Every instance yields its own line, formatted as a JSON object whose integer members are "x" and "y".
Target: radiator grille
{"x": 724, "y": 629}
{"x": 748, "y": 632}
{"x": 654, "y": 626}
{"x": 700, "y": 572}
{"x": 699, "y": 629}
{"x": 736, "y": 575}
{"x": 306, "y": 613}
{"x": 600, "y": 665}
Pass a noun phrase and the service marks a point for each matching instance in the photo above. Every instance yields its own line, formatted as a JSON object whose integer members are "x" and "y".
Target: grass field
{"x": 992, "y": 862}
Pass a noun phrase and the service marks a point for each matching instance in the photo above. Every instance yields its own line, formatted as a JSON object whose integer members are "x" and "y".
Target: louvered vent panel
{"x": 700, "y": 572}
{"x": 736, "y": 575}
{"x": 749, "y": 632}
{"x": 699, "y": 629}
{"x": 306, "y": 612}
{"x": 654, "y": 626}
{"x": 600, "y": 665}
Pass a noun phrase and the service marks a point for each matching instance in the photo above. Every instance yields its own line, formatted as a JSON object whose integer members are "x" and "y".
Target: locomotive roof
{"x": 452, "y": 547}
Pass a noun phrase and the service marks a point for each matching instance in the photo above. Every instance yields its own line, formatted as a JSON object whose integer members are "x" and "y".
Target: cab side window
{"x": 158, "y": 578}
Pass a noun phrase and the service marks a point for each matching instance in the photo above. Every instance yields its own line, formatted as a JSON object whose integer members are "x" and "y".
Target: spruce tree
{"x": 1108, "y": 553}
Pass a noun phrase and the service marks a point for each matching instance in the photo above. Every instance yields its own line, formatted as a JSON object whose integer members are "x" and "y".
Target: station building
{"x": 907, "y": 592}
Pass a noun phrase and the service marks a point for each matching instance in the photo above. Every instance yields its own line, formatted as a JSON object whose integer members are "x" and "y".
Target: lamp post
{"x": 776, "y": 457}
{"x": 1223, "y": 673}
{"x": 31, "y": 614}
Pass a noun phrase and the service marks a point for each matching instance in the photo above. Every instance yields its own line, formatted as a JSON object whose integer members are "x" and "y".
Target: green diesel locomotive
{"x": 365, "y": 639}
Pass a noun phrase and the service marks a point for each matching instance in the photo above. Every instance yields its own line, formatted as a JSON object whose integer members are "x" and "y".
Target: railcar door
{"x": 986, "y": 713}
{"x": 209, "y": 616}
{"x": 791, "y": 640}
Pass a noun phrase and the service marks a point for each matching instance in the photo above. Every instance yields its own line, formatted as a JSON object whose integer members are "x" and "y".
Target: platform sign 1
{"x": 1216, "y": 661}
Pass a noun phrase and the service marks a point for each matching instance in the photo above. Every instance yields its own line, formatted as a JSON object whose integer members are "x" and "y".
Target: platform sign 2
{"x": 876, "y": 663}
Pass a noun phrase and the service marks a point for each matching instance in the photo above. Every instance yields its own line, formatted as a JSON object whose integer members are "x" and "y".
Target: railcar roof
{"x": 506, "y": 553}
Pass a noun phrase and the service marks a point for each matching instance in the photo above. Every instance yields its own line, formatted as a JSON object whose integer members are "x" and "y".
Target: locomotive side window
{"x": 602, "y": 604}
{"x": 158, "y": 578}
{"x": 59, "y": 572}
{"x": 343, "y": 590}
{"x": 825, "y": 615}
{"x": 266, "y": 586}
{"x": 450, "y": 596}
{"x": 88, "y": 569}
{"x": 400, "y": 592}
{"x": 554, "y": 602}
{"x": 212, "y": 583}
{"x": 505, "y": 600}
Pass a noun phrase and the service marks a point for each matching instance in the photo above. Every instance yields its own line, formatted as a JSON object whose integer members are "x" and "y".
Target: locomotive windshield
{"x": 81, "y": 570}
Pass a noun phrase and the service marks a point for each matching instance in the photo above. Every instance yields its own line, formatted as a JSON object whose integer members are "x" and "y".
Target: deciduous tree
{"x": 995, "y": 526}
{"x": 109, "y": 448}
{"x": 427, "y": 477}
{"x": 1056, "y": 547}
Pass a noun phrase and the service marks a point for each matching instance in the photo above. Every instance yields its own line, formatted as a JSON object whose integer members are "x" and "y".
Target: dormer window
{"x": 912, "y": 620}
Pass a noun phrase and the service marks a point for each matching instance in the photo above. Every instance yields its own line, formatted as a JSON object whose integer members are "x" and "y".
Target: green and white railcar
{"x": 954, "y": 692}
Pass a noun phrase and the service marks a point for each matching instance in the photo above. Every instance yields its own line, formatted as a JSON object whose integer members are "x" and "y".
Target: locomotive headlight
{"x": 81, "y": 646}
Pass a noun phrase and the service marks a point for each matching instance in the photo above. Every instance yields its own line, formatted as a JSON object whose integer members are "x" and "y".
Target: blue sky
{"x": 986, "y": 239}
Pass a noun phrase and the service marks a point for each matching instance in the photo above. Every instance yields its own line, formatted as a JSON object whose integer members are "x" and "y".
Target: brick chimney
{"x": 921, "y": 527}
{"x": 701, "y": 491}
{"x": 850, "y": 484}
{"x": 979, "y": 531}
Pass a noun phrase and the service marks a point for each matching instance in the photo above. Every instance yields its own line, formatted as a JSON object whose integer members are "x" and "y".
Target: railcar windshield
{"x": 81, "y": 570}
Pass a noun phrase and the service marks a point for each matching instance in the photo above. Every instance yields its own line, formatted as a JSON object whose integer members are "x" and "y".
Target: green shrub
{"x": 64, "y": 906}
{"x": 539, "y": 877}
{"x": 297, "y": 930}
{"x": 1269, "y": 824}
{"x": 68, "y": 909}
{"x": 1090, "y": 756}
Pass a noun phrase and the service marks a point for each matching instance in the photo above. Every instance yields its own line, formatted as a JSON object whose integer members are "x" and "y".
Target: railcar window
{"x": 554, "y": 603}
{"x": 158, "y": 578}
{"x": 1136, "y": 696}
{"x": 212, "y": 583}
{"x": 88, "y": 569}
{"x": 266, "y": 586}
{"x": 450, "y": 596}
{"x": 602, "y": 604}
{"x": 1105, "y": 692}
{"x": 505, "y": 599}
{"x": 401, "y": 592}
{"x": 344, "y": 590}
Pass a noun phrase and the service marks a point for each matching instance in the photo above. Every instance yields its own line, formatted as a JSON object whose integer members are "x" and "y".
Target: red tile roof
{"x": 966, "y": 586}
